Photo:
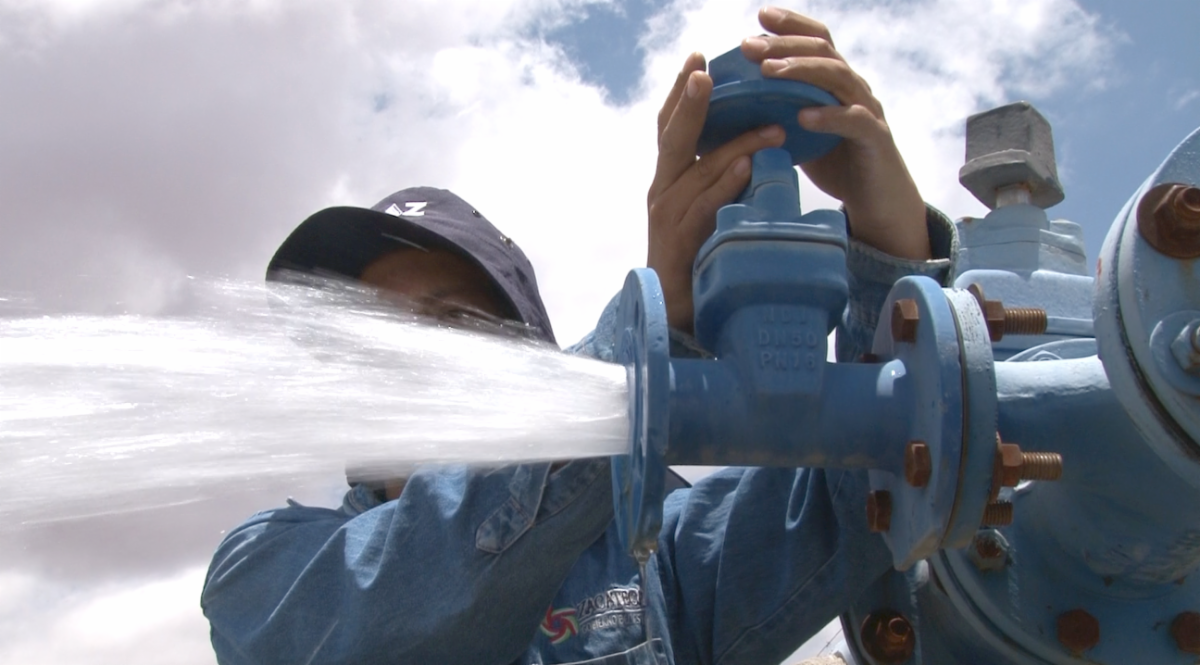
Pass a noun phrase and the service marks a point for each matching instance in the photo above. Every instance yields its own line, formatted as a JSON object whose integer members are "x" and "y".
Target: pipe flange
{"x": 643, "y": 346}
{"x": 941, "y": 339}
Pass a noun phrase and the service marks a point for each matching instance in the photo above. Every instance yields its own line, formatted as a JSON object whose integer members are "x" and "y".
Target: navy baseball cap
{"x": 343, "y": 241}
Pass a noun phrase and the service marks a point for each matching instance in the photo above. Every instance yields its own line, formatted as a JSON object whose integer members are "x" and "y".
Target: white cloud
{"x": 143, "y": 141}
{"x": 1183, "y": 97}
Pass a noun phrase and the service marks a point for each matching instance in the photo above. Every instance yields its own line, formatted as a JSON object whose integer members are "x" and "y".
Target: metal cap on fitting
{"x": 1010, "y": 150}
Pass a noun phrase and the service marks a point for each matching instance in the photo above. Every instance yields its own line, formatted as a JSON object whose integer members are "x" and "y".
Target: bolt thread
{"x": 1024, "y": 321}
{"x": 998, "y": 514}
{"x": 1041, "y": 466}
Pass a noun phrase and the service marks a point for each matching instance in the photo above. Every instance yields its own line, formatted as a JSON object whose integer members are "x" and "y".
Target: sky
{"x": 146, "y": 141}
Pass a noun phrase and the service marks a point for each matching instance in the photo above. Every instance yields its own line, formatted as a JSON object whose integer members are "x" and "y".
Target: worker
{"x": 522, "y": 564}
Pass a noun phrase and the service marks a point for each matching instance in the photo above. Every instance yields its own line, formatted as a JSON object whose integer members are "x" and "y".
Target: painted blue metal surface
{"x": 772, "y": 391}
{"x": 953, "y": 412}
{"x": 1024, "y": 259}
{"x": 1118, "y": 537}
{"x": 1113, "y": 387}
{"x": 644, "y": 348}
{"x": 1143, "y": 301}
{"x": 743, "y": 100}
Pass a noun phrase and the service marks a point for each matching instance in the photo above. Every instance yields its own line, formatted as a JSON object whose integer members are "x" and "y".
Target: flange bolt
{"x": 888, "y": 637}
{"x": 905, "y": 317}
{"x": 879, "y": 511}
{"x": 1078, "y": 631}
{"x": 998, "y": 513}
{"x": 917, "y": 464}
{"x": 1186, "y": 631}
{"x": 1016, "y": 466}
{"x": 1003, "y": 320}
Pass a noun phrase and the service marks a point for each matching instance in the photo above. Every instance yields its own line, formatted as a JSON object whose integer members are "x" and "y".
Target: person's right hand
{"x": 866, "y": 171}
{"x": 687, "y": 191}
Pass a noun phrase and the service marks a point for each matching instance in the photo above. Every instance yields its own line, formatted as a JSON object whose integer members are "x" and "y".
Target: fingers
{"x": 700, "y": 219}
{"x": 854, "y": 122}
{"x": 786, "y": 22}
{"x": 678, "y": 227}
{"x": 828, "y": 74}
{"x": 701, "y": 174}
{"x": 677, "y": 141}
{"x": 775, "y": 47}
{"x": 803, "y": 50}
{"x": 694, "y": 63}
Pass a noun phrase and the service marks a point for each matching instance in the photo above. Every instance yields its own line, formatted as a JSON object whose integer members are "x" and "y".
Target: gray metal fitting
{"x": 989, "y": 550}
{"x": 1010, "y": 151}
{"x": 1186, "y": 348}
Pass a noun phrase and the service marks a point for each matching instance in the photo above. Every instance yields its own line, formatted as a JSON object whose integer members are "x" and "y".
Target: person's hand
{"x": 686, "y": 192}
{"x": 865, "y": 172}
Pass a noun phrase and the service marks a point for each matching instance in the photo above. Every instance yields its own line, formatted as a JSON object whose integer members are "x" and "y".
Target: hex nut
{"x": 1186, "y": 348}
{"x": 1168, "y": 219}
{"x": 1186, "y": 631}
{"x": 905, "y": 317}
{"x": 1078, "y": 630}
{"x": 879, "y": 511}
{"x": 989, "y": 551}
{"x": 993, "y": 312}
{"x": 918, "y": 466}
{"x": 1011, "y": 464}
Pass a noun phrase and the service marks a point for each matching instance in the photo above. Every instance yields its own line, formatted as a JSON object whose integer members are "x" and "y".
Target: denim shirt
{"x": 523, "y": 565}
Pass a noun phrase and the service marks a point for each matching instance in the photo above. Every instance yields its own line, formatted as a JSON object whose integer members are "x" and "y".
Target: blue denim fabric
{"x": 521, "y": 565}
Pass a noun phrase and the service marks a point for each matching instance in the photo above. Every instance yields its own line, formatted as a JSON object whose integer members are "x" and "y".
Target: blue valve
{"x": 743, "y": 100}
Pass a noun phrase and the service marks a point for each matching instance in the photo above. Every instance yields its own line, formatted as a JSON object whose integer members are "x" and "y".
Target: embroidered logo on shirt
{"x": 615, "y": 608}
{"x": 559, "y": 625}
{"x": 414, "y": 209}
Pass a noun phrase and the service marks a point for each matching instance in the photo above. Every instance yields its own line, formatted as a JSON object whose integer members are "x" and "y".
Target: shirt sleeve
{"x": 459, "y": 569}
{"x": 871, "y": 276}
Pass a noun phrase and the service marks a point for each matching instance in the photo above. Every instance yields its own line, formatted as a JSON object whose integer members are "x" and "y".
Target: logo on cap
{"x": 414, "y": 209}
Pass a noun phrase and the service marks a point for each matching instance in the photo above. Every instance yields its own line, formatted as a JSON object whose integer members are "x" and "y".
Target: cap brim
{"x": 342, "y": 241}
